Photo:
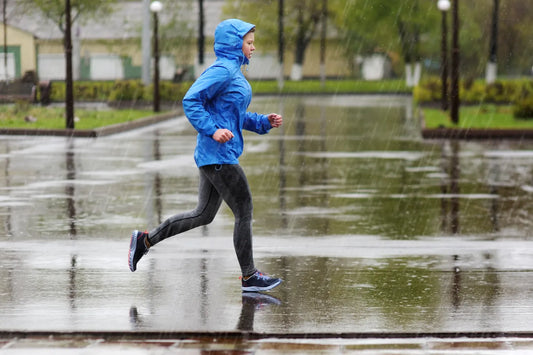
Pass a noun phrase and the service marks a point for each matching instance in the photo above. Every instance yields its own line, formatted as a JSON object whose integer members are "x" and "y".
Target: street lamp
{"x": 454, "y": 106}
{"x": 201, "y": 36}
{"x": 156, "y": 7}
{"x": 281, "y": 44}
{"x": 444, "y": 6}
{"x": 69, "y": 90}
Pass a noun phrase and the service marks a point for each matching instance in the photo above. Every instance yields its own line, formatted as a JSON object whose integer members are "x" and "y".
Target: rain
{"x": 362, "y": 225}
{"x": 384, "y": 240}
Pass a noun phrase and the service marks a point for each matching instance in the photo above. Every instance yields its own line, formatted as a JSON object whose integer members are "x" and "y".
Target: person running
{"x": 216, "y": 106}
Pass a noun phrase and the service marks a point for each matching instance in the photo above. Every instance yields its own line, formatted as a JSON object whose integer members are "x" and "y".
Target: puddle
{"x": 371, "y": 228}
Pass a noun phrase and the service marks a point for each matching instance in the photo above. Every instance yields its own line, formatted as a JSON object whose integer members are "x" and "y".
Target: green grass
{"x": 483, "y": 116}
{"x": 12, "y": 116}
{"x": 331, "y": 87}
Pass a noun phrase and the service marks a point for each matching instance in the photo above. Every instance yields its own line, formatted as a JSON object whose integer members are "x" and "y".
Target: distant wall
{"x": 100, "y": 60}
{"x": 21, "y": 52}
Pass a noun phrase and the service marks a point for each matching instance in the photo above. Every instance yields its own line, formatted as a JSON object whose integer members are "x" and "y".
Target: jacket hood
{"x": 229, "y": 35}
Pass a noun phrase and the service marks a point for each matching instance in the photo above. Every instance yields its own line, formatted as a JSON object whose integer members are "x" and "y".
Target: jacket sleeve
{"x": 204, "y": 89}
{"x": 257, "y": 123}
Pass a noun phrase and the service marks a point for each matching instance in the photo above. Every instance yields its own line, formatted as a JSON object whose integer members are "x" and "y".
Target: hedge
{"x": 516, "y": 92}
{"x": 117, "y": 91}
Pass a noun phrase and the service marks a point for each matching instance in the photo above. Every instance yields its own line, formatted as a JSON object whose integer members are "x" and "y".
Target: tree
{"x": 389, "y": 26}
{"x": 306, "y": 15}
{"x": 82, "y": 11}
{"x": 302, "y": 18}
{"x": 492, "y": 69}
{"x": 515, "y": 48}
{"x": 4, "y": 20}
{"x": 409, "y": 30}
{"x": 177, "y": 30}
{"x": 64, "y": 14}
{"x": 54, "y": 10}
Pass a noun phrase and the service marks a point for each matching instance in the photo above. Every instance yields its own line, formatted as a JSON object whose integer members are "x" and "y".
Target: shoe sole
{"x": 133, "y": 248}
{"x": 256, "y": 288}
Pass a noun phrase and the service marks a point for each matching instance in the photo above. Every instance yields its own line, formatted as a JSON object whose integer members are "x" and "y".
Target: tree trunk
{"x": 491, "y": 72}
{"x": 299, "y": 56}
{"x": 492, "y": 66}
{"x": 299, "y": 52}
{"x": 306, "y": 30}
{"x": 296, "y": 72}
{"x": 409, "y": 75}
{"x": 413, "y": 72}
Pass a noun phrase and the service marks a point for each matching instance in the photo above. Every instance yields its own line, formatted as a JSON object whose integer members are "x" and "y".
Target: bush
{"x": 82, "y": 90}
{"x": 523, "y": 104}
{"x": 523, "y": 108}
{"x": 422, "y": 94}
{"x": 525, "y": 90}
{"x": 117, "y": 91}
{"x": 127, "y": 90}
{"x": 57, "y": 91}
{"x": 502, "y": 91}
{"x": 170, "y": 92}
{"x": 475, "y": 92}
{"x": 428, "y": 90}
{"x": 92, "y": 91}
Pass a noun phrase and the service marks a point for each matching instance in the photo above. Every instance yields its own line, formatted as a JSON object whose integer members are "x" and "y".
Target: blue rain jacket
{"x": 220, "y": 97}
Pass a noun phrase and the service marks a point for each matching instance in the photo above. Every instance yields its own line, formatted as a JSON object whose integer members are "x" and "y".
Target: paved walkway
{"x": 68, "y": 206}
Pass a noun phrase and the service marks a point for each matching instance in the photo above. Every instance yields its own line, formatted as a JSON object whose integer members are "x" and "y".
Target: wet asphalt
{"x": 386, "y": 243}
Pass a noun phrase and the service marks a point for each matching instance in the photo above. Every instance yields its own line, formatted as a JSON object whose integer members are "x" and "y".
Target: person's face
{"x": 248, "y": 44}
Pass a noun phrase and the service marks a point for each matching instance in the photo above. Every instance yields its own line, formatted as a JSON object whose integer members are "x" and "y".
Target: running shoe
{"x": 139, "y": 246}
{"x": 259, "y": 282}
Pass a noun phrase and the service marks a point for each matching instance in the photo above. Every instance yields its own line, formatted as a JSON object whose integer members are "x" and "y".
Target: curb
{"x": 458, "y": 133}
{"x": 251, "y": 335}
{"x": 93, "y": 133}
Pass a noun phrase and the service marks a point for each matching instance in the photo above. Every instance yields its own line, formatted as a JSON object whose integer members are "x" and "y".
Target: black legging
{"x": 218, "y": 183}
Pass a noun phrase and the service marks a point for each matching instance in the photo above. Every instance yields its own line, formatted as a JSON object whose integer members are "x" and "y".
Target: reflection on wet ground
{"x": 371, "y": 228}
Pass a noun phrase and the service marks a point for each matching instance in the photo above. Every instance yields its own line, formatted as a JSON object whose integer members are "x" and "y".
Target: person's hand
{"x": 222, "y": 135}
{"x": 275, "y": 120}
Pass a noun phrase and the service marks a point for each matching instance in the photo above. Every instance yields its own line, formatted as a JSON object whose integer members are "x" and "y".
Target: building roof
{"x": 125, "y": 22}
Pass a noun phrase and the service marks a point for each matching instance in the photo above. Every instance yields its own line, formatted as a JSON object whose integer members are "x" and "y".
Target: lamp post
{"x": 69, "y": 94}
{"x": 156, "y": 7}
{"x": 454, "y": 107}
{"x": 201, "y": 36}
{"x": 281, "y": 44}
{"x": 444, "y": 6}
{"x": 4, "y": 20}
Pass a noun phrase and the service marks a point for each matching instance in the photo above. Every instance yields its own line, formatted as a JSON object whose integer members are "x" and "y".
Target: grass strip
{"x": 479, "y": 117}
{"x": 11, "y": 116}
{"x": 330, "y": 87}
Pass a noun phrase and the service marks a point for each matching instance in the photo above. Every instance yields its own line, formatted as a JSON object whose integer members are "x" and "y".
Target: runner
{"x": 216, "y": 105}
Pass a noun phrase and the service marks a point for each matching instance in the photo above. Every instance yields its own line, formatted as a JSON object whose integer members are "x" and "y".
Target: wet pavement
{"x": 375, "y": 232}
